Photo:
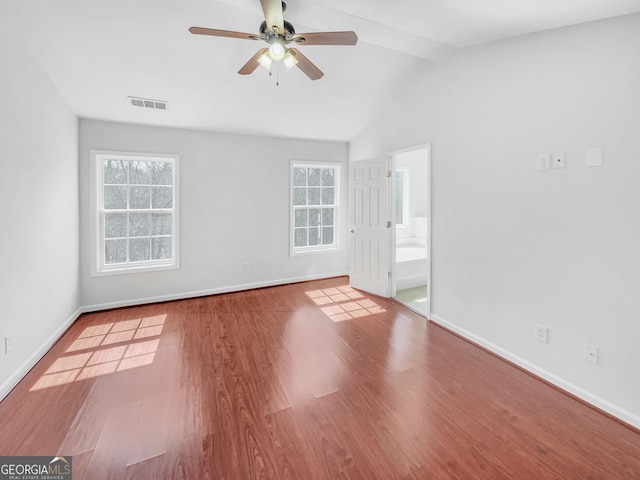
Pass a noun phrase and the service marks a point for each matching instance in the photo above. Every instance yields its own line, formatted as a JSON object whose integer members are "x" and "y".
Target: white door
{"x": 370, "y": 226}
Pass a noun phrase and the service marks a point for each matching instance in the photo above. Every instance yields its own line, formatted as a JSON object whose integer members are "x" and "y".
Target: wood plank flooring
{"x": 307, "y": 381}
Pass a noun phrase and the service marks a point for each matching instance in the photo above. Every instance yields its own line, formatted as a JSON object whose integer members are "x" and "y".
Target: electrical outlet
{"x": 8, "y": 343}
{"x": 542, "y": 334}
{"x": 591, "y": 353}
{"x": 558, "y": 160}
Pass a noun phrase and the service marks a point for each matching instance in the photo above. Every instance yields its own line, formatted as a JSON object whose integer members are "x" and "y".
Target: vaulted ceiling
{"x": 98, "y": 53}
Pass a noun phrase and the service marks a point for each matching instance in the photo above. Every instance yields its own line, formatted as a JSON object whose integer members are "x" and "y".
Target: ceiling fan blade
{"x": 252, "y": 64}
{"x": 304, "y": 64}
{"x": 223, "y": 33}
{"x": 273, "y": 14}
{"x": 326, "y": 38}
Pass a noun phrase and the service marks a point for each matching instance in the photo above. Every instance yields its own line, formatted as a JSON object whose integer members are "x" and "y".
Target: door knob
{"x": 351, "y": 230}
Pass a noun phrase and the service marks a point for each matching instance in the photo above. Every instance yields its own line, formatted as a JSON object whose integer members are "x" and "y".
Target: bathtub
{"x": 411, "y": 263}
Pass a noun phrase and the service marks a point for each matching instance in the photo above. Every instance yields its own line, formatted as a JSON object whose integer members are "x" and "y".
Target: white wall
{"x": 39, "y": 289}
{"x": 234, "y": 208}
{"x": 513, "y": 246}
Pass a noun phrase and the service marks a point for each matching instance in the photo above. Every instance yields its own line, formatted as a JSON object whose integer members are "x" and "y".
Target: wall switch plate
{"x": 558, "y": 160}
{"x": 544, "y": 161}
{"x": 591, "y": 353}
{"x": 542, "y": 334}
{"x": 245, "y": 267}
{"x": 8, "y": 343}
{"x": 594, "y": 157}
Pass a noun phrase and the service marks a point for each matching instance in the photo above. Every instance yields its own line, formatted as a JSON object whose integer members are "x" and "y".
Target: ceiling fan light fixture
{"x": 289, "y": 60}
{"x": 277, "y": 51}
{"x": 265, "y": 60}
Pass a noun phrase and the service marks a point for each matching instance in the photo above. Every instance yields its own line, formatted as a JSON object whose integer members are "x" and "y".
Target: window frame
{"x": 314, "y": 249}
{"x": 98, "y": 265}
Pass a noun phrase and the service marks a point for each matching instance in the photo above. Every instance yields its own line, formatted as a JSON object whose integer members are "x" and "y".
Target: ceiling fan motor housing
{"x": 267, "y": 34}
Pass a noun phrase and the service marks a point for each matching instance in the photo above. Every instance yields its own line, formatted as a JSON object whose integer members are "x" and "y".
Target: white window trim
{"x": 98, "y": 268}
{"x": 316, "y": 249}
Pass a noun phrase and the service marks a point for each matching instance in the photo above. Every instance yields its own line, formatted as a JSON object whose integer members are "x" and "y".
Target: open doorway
{"x": 411, "y": 240}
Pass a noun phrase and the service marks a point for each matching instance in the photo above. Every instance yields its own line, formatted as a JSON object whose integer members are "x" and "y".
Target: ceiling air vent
{"x": 148, "y": 103}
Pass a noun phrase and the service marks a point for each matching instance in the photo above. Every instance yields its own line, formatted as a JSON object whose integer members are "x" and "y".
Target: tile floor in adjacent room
{"x": 414, "y": 298}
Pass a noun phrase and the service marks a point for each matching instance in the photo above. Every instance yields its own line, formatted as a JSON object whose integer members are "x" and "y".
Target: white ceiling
{"x": 100, "y": 52}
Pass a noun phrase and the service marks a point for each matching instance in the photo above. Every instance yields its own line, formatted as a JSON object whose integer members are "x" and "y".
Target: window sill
{"x": 314, "y": 251}
{"x": 130, "y": 269}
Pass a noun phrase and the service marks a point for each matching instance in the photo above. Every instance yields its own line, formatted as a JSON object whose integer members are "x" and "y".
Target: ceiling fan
{"x": 279, "y": 34}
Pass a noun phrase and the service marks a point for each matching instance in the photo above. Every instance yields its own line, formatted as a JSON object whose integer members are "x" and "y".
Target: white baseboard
{"x": 35, "y": 357}
{"x": 411, "y": 281}
{"x": 598, "y": 402}
{"x": 212, "y": 291}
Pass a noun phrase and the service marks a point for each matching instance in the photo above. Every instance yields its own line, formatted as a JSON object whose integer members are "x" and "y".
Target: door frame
{"x": 392, "y": 195}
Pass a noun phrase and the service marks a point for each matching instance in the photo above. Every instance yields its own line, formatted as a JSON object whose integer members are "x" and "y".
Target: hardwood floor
{"x": 306, "y": 381}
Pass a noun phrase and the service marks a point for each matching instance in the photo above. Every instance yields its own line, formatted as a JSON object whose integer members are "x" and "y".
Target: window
{"x": 402, "y": 197}
{"x": 314, "y": 207}
{"x": 136, "y": 215}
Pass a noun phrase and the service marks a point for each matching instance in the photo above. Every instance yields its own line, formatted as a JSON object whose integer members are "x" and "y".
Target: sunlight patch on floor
{"x": 344, "y": 303}
{"x": 102, "y": 358}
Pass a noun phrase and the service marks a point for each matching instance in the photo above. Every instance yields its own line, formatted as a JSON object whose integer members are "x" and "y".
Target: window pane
{"x": 301, "y": 217}
{"x": 315, "y": 174}
{"x": 115, "y": 225}
{"x": 314, "y": 196}
{"x": 314, "y": 236}
{"x": 131, "y": 190}
{"x": 139, "y": 224}
{"x": 314, "y": 217}
{"x": 160, "y": 248}
{"x": 139, "y": 249}
{"x": 299, "y": 176}
{"x": 300, "y": 237}
{"x": 328, "y": 197}
{"x": 161, "y": 197}
{"x": 115, "y": 251}
{"x": 327, "y": 235}
{"x": 115, "y": 197}
{"x": 327, "y": 216}
{"x": 115, "y": 171}
{"x": 299, "y": 196}
{"x": 160, "y": 224}
{"x": 328, "y": 177}
{"x": 139, "y": 197}
{"x": 162, "y": 173}
{"x": 140, "y": 173}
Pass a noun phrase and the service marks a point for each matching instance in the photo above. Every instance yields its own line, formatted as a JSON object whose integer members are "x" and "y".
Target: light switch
{"x": 544, "y": 161}
{"x": 594, "y": 157}
{"x": 558, "y": 160}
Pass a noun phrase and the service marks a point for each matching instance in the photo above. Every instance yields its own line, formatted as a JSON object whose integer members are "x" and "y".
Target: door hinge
{"x": 389, "y": 224}
{"x": 388, "y": 173}
{"x": 388, "y": 274}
